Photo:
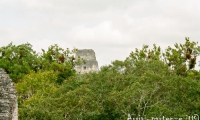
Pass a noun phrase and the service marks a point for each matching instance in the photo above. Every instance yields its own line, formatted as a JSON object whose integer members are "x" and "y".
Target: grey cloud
{"x": 112, "y": 28}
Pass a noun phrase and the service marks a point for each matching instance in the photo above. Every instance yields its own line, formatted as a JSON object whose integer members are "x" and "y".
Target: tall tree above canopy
{"x": 180, "y": 59}
{"x": 18, "y": 60}
{"x": 183, "y": 57}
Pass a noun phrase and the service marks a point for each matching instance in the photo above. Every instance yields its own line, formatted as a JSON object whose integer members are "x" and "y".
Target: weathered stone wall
{"x": 91, "y": 62}
{"x": 8, "y": 98}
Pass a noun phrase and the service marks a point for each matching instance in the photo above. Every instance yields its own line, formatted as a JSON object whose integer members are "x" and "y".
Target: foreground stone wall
{"x": 8, "y": 98}
{"x": 91, "y": 62}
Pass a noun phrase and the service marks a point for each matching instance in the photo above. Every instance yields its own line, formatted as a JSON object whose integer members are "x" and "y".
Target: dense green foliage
{"x": 22, "y": 59}
{"x": 148, "y": 83}
{"x": 18, "y": 60}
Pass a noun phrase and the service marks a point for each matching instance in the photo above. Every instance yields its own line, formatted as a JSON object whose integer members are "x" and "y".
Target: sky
{"x": 112, "y": 28}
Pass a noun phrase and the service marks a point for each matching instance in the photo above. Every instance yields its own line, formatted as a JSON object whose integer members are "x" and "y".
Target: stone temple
{"x": 91, "y": 62}
{"x": 8, "y": 98}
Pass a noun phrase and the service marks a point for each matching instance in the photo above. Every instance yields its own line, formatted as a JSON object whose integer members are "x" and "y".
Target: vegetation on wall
{"x": 148, "y": 83}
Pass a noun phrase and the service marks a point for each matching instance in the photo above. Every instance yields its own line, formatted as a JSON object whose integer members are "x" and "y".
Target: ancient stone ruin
{"x": 8, "y": 98}
{"x": 91, "y": 62}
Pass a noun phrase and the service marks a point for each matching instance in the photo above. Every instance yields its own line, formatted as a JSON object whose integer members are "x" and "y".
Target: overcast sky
{"x": 112, "y": 28}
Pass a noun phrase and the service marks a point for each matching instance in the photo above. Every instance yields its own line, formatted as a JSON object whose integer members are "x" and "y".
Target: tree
{"x": 18, "y": 60}
{"x": 61, "y": 60}
{"x": 21, "y": 59}
{"x": 182, "y": 58}
{"x": 144, "y": 84}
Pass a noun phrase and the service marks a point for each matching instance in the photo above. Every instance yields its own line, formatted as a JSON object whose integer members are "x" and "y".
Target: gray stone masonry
{"x": 91, "y": 62}
{"x": 8, "y": 98}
